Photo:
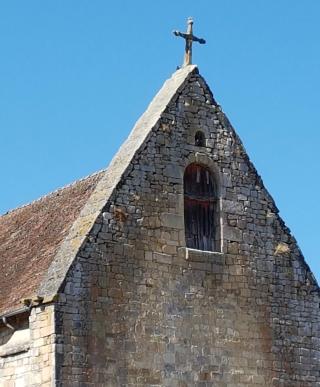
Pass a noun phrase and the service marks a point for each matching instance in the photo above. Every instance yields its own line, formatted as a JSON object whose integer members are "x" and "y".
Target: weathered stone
{"x": 173, "y": 170}
{"x": 172, "y": 220}
{"x": 232, "y": 234}
{"x": 162, "y": 258}
{"x": 232, "y": 207}
{"x": 136, "y": 307}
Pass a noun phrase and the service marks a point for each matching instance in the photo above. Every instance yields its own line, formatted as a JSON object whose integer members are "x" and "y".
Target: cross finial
{"x": 190, "y": 38}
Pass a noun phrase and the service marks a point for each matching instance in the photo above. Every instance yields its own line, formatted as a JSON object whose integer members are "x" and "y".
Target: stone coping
{"x": 19, "y": 342}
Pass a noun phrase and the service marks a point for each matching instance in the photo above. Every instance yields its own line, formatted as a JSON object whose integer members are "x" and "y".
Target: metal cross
{"x": 190, "y": 38}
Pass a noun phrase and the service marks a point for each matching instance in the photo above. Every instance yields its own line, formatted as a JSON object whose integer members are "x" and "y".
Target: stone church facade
{"x": 171, "y": 267}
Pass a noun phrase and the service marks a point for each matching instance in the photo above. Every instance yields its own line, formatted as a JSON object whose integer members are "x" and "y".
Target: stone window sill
{"x": 189, "y": 249}
{"x": 204, "y": 260}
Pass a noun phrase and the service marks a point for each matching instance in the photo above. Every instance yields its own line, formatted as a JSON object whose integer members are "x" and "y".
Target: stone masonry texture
{"x": 139, "y": 309}
{"x": 35, "y": 364}
{"x": 135, "y": 307}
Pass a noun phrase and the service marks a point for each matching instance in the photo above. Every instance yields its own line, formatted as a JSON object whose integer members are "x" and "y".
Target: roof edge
{"x": 56, "y": 274}
{"x": 52, "y": 193}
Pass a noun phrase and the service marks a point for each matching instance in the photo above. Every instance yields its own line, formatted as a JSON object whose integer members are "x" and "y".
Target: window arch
{"x": 200, "y": 208}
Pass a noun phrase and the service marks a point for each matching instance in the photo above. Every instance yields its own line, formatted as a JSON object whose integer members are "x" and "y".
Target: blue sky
{"x": 76, "y": 75}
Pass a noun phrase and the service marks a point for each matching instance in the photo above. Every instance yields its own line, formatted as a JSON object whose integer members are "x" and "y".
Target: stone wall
{"x": 27, "y": 353}
{"x": 139, "y": 309}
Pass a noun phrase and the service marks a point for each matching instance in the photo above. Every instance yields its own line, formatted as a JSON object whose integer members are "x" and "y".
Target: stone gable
{"x": 139, "y": 308}
{"x": 120, "y": 298}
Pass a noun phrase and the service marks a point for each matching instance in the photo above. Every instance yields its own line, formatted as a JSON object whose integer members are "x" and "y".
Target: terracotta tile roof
{"x": 30, "y": 237}
{"x": 39, "y": 242}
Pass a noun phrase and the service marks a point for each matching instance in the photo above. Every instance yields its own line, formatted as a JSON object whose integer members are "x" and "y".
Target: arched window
{"x": 199, "y": 138}
{"x": 200, "y": 209}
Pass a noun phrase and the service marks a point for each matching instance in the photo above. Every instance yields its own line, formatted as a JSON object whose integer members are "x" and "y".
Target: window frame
{"x": 202, "y": 232}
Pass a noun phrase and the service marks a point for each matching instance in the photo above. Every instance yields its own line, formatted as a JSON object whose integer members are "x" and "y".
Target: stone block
{"x": 173, "y": 171}
{"x": 172, "y": 220}
{"x": 162, "y": 258}
{"x": 232, "y": 234}
{"x": 232, "y": 207}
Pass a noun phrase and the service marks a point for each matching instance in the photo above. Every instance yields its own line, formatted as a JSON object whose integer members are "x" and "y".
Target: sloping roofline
{"x": 80, "y": 229}
{"x": 30, "y": 236}
{"x": 69, "y": 247}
